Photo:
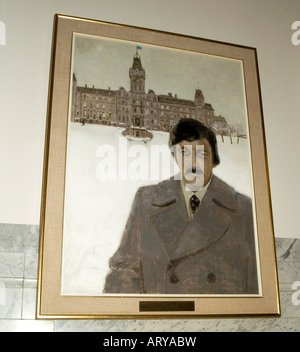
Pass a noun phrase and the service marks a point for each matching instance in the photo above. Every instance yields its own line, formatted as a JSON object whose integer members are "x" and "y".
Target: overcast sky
{"x": 104, "y": 63}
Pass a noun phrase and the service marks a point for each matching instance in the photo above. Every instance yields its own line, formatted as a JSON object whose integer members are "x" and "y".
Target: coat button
{"x": 174, "y": 278}
{"x": 211, "y": 278}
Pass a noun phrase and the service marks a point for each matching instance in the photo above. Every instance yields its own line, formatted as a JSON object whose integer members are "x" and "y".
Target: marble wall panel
{"x": 11, "y": 305}
{"x": 18, "y": 288}
{"x": 19, "y": 238}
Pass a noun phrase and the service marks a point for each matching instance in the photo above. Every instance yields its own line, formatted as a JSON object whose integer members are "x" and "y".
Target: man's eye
{"x": 202, "y": 154}
{"x": 185, "y": 151}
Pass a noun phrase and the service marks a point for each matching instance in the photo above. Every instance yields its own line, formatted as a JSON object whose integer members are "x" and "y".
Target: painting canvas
{"x": 155, "y": 187}
{"x": 119, "y": 86}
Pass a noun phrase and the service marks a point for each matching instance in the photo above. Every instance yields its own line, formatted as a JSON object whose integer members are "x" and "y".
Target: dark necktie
{"x": 194, "y": 203}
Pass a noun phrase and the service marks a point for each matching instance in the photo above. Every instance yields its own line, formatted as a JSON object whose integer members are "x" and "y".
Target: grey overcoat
{"x": 163, "y": 252}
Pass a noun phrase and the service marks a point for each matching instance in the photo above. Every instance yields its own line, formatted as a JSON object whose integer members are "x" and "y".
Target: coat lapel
{"x": 181, "y": 237}
{"x": 170, "y": 217}
{"x": 210, "y": 222}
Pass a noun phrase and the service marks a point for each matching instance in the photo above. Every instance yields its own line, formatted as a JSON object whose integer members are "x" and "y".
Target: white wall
{"x": 24, "y": 74}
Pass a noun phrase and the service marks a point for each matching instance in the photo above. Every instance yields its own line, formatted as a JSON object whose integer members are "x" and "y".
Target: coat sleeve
{"x": 125, "y": 274}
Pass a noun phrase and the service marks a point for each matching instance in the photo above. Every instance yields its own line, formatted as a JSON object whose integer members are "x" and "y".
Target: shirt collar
{"x": 187, "y": 194}
{"x": 200, "y": 193}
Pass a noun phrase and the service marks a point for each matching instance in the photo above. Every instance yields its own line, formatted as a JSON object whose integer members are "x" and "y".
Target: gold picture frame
{"x": 61, "y": 285}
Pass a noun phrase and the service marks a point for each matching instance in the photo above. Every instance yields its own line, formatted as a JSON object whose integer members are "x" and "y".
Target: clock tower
{"x": 137, "y": 88}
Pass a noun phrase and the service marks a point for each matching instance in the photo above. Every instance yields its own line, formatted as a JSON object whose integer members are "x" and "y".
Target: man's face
{"x": 195, "y": 161}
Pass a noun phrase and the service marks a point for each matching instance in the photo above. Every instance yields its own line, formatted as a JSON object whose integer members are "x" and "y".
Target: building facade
{"x": 136, "y": 107}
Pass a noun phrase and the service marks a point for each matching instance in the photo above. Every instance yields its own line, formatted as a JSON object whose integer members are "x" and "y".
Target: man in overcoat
{"x": 193, "y": 235}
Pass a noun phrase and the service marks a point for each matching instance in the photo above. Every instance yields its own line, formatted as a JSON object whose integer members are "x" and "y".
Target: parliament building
{"x": 136, "y": 108}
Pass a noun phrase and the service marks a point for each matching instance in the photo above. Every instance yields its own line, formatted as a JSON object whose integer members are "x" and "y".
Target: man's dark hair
{"x": 190, "y": 130}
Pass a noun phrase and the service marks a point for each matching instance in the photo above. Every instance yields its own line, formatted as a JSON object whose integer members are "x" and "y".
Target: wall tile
{"x": 12, "y": 304}
{"x": 31, "y": 266}
{"x": 179, "y": 325}
{"x": 19, "y": 238}
{"x": 11, "y": 264}
{"x": 288, "y": 309}
{"x": 29, "y": 299}
{"x": 288, "y": 271}
{"x": 260, "y": 325}
{"x": 288, "y": 249}
{"x": 198, "y": 325}
{"x": 26, "y": 326}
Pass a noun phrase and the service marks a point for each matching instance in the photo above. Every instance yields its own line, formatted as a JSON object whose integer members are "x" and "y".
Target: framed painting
{"x": 156, "y": 199}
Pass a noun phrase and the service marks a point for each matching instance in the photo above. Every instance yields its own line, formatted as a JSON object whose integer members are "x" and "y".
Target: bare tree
{"x": 218, "y": 128}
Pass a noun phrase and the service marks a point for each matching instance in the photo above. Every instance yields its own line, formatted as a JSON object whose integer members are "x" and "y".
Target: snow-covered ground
{"x": 96, "y": 209}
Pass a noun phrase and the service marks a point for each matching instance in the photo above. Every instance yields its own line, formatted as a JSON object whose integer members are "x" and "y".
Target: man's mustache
{"x": 196, "y": 171}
